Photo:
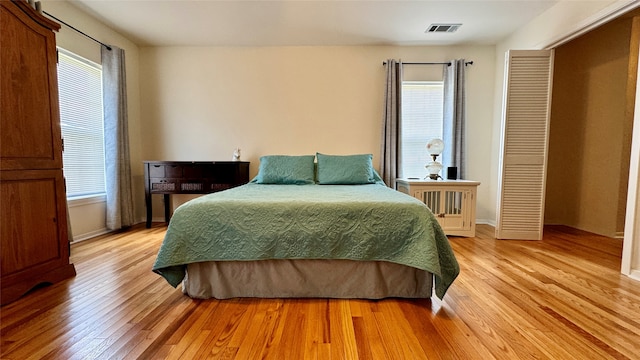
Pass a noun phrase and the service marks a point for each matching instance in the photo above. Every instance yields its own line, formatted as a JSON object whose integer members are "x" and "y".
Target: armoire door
{"x": 30, "y": 121}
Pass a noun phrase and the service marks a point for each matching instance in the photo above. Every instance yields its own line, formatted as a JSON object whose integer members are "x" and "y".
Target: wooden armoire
{"x": 34, "y": 244}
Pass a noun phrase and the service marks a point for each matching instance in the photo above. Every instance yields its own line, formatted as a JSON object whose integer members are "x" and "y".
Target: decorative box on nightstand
{"x": 453, "y": 202}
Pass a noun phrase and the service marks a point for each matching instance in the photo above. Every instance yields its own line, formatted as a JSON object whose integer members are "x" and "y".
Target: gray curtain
{"x": 390, "y": 154}
{"x": 454, "y": 117}
{"x": 116, "y": 140}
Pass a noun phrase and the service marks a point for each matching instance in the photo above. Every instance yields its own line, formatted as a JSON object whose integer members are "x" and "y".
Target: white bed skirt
{"x": 344, "y": 279}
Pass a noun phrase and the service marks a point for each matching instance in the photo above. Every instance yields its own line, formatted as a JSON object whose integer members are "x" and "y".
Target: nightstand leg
{"x": 167, "y": 213}
{"x": 147, "y": 200}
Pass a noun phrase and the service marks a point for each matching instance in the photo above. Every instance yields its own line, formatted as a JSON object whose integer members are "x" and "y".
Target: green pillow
{"x": 286, "y": 169}
{"x": 345, "y": 169}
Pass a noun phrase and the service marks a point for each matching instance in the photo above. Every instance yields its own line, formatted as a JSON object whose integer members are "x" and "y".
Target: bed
{"x": 329, "y": 229}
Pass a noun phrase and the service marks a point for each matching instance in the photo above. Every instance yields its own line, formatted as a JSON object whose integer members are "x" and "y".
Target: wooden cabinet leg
{"x": 167, "y": 213}
{"x": 147, "y": 200}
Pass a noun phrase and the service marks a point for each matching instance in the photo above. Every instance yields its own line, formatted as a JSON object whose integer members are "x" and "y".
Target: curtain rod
{"x": 90, "y": 37}
{"x": 448, "y": 63}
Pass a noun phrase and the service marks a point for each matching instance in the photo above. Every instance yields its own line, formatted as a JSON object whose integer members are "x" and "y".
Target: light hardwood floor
{"x": 560, "y": 298}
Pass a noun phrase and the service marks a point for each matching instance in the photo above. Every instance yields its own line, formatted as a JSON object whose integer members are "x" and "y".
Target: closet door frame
{"x": 630, "y": 265}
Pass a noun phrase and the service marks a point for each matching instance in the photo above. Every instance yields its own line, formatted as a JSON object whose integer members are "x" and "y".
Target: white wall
{"x": 88, "y": 216}
{"x": 201, "y": 102}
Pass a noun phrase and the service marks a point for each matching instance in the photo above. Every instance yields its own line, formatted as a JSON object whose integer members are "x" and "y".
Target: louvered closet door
{"x": 525, "y": 133}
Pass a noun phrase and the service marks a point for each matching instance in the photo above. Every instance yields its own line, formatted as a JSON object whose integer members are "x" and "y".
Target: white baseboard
{"x": 89, "y": 235}
{"x": 486, "y": 222}
{"x": 153, "y": 219}
{"x": 635, "y": 275}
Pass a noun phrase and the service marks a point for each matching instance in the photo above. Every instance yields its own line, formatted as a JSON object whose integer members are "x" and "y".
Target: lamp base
{"x": 433, "y": 177}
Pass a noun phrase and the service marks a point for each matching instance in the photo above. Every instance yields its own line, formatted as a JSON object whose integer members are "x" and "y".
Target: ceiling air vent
{"x": 443, "y": 28}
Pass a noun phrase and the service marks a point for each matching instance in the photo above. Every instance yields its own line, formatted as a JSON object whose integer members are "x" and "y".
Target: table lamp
{"x": 434, "y": 148}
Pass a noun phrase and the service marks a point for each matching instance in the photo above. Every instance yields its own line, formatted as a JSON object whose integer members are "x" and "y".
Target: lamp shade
{"x": 435, "y": 146}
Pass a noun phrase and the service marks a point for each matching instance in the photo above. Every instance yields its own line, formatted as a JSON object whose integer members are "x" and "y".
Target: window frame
{"x": 82, "y": 199}
{"x": 404, "y": 128}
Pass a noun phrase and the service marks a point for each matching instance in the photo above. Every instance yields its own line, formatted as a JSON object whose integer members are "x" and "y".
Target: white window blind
{"x": 80, "y": 92}
{"x": 422, "y": 116}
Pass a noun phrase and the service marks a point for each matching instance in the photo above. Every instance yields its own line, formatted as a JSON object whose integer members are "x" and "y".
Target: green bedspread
{"x": 355, "y": 222}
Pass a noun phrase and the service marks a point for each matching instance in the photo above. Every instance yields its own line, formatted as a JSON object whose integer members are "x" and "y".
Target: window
{"x": 422, "y": 116}
{"x": 80, "y": 91}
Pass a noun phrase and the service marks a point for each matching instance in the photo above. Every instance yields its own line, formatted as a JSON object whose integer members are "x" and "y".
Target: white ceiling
{"x": 303, "y": 22}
